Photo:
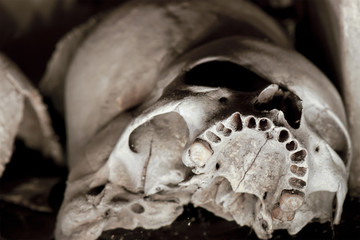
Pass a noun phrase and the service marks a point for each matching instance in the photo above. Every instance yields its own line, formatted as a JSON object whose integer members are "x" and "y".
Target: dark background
{"x": 30, "y": 44}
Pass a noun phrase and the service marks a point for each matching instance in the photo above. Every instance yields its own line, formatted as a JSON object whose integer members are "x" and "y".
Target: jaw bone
{"x": 235, "y": 153}
{"x": 144, "y": 171}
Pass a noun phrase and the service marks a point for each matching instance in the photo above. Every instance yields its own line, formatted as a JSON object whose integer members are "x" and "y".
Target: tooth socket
{"x": 236, "y": 122}
{"x": 299, "y": 171}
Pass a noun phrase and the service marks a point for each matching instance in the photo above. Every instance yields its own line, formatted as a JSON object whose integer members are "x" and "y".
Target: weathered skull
{"x": 233, "y": 127}
{"x": 248, "y": 130}
{"x": 23, "y": 114}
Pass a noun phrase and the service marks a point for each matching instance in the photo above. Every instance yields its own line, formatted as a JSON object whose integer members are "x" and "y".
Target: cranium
{"x": 244, "y": 128}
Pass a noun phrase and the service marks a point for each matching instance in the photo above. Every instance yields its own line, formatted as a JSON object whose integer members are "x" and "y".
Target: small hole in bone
{"x": 283, "y": 136}
{"x": 264, "y": 225}
{"x": 96, "y": 190}
{"x": 298, "y": 156}
{"x": 264, "y": 124}
{"x": 119, "y": 199}
{"x": 107, "y": 213}
{"x": 265, "y": 195}
{"x": 300, "y": 171}
{"x": 217, "y": 166}
{"x": 298, "y": 183}
{"x": 291, "y": 146}
{"x": 213, "y": 137}
{"x": 223, "y": 100}
{"x": 137, "y": 208}
{"x": 251, "y": 123}
{"x": 317, "y": 149}
{"x": 236, "y": 122}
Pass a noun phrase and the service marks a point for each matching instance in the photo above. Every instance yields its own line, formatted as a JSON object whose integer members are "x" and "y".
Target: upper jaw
{"x": 256, "y": 170}
{"x": 287, "y": 173}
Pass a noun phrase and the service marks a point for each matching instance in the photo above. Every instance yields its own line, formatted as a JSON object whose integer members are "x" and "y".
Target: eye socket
{"x": 225, "y": 74}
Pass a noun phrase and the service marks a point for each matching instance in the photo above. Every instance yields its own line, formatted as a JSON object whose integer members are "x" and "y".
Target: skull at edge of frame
{"x": 234, "y": 127}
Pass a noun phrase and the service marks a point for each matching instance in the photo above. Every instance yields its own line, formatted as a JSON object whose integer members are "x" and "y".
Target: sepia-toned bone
{"x": 262, "y": 111}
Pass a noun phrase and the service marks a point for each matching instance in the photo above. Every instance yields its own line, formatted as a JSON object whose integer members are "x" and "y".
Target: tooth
{"x": 291, "y": 201}
{"x": 281, "y": 215}
{"x": 200, "y": 151}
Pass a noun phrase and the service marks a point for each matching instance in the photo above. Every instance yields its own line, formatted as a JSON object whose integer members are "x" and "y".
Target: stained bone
{"x": 283, "y": 216}
{"x": 149, "y": 174}
{"x": 290, "y": 202}
{"x": 200, "y": 151}
{"x": 250, "y": 159}
{"x": 144, "y": 54}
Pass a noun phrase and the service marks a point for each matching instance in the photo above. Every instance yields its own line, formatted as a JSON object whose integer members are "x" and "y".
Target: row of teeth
{"x": 290, "y": 200}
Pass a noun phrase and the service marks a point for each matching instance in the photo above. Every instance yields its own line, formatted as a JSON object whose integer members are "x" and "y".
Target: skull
{"x": 241, "y": 126}
{"x": 24, "y": 115}
{"x": 232, "y": 127}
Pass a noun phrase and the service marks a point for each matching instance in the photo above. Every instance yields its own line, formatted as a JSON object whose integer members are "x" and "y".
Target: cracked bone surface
{"x": 245, "y": 128}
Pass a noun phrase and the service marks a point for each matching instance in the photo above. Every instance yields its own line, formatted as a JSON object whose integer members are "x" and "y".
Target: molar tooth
{"x": 281, "y": 215}
{"x": 291, "y": 200}
{"x": 200, "y": 151}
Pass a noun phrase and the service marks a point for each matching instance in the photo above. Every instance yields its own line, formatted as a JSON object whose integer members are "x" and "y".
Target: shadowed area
{"x": 225, "y": 74}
